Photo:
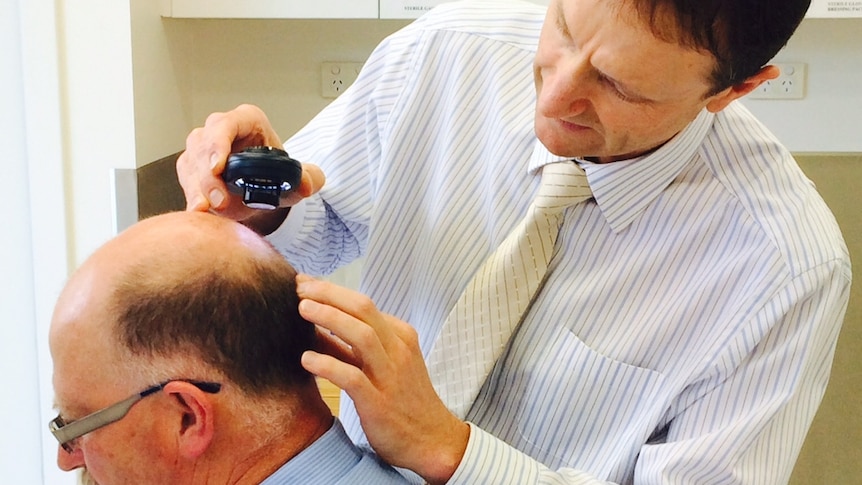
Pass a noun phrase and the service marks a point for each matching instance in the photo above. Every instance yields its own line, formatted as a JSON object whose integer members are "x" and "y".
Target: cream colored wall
{"x": 831, "y": 452}
{"x": 272, "y": 63}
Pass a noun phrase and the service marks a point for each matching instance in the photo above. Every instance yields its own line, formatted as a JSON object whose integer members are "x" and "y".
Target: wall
{"x": 275, "y": 63}
{"x": 20, "y": 451}
{"x": 272, "y": 63}
{"x": 829, "y": 119}
{"x": 34, "y": 235}
{"x": 98, "y": 114}
{"x": 831, "y": 452}
{"x": 162, "y": 105}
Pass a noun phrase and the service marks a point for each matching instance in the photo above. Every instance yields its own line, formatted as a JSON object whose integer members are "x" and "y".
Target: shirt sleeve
{"x": 331, "y": 228}
{"x": 746, "y": 426}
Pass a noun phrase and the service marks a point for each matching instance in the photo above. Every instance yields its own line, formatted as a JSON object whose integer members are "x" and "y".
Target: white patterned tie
{"x": 487, "y": 313}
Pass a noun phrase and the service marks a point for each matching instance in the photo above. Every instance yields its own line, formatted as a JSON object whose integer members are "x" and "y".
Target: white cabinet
{"x": 411, "y": 9}
{"x": 297, "y": 9}
{"x": 388, "y": 9}
{"x": 303, "y": 9}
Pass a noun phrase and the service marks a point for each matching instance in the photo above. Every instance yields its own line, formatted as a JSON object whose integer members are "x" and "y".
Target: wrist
{"x": 443, "y": 465}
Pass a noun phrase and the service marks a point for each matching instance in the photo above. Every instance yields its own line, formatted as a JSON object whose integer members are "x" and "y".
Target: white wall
{"x": 98, "y": 113}
{"x": 274, "y": 63}
{"x": 33, "y": 239}
{"x": 829, "y": 119}
{"x": 20, "y": 450}
{"x": 162, "y": 105}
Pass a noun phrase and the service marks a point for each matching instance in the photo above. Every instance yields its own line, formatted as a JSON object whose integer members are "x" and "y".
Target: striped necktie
{"x": 495, "y": 300}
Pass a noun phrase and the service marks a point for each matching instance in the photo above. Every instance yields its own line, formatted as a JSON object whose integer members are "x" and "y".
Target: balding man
{"x": 176, "y": 351}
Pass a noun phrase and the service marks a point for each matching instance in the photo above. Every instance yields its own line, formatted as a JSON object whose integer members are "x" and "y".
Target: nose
{"x": 565, "y": 88}
{"x": 67, "y": 461}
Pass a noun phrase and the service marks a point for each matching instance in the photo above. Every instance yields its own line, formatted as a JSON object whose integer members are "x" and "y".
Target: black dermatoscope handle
{"x": 263, "y": 175}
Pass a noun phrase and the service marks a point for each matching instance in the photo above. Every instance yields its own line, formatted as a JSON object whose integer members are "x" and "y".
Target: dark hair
{"x": 742, "y": 35}
{"x": 238, "y": 315}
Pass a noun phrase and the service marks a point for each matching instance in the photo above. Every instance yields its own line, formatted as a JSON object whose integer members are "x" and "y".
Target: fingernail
{"x": 216, "y": 198}
{"x": 306, "y": 307}
{"x": 214, "y": 161}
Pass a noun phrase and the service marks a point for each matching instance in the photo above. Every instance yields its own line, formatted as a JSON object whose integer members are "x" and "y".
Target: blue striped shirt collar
{"x": 624, "y": 189}
{"x": 328, "y": 459}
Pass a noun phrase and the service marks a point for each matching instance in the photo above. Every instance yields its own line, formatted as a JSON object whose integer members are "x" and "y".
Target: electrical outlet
{"x": 790, "y": 84}
{"x": 335, "y": 77}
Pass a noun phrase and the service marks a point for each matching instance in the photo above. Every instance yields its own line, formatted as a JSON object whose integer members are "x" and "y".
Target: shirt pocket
{"x": 585, "y": 410}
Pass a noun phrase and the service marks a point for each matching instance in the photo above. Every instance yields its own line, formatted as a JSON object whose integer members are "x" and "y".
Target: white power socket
{"x": 335, "y": 77}
{"x": 790, "y": 84}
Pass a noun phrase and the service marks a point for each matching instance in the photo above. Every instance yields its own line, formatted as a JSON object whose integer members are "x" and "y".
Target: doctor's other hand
{"x": 200, "y": 166}
{"x": 376, "y": 359}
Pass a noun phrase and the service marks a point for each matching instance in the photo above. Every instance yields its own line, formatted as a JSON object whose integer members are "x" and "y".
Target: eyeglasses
{"x": 66, "y": 433}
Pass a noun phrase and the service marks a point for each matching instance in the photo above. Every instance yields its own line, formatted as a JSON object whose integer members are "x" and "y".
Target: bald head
{"x": 178, "y": 242}
{"x": 191, "y": 286}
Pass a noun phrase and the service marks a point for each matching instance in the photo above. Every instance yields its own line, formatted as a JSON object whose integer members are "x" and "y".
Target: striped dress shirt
{"x": 334, "y": 460}
{"x": 686, "y": 330}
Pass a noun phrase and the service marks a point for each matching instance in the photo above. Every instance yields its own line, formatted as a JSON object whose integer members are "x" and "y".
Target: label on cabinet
{"x": 835, "y": 9}
{"x": 411, "y": 9}
{"x": 406, "y": 9}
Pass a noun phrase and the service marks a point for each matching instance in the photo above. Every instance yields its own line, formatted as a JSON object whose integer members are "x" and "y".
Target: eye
{"x": 615, "y": 89}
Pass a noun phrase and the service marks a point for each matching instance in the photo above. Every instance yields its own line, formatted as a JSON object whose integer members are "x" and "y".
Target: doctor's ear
{"x": 195, "y": 410}
{"x": 721, "y": 100}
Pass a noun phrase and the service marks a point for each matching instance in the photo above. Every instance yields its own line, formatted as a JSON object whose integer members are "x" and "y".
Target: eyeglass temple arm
{"x": 105, "y": 416}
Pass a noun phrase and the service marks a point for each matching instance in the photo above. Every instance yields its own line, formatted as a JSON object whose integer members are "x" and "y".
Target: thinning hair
{"x": 237, "y": 314}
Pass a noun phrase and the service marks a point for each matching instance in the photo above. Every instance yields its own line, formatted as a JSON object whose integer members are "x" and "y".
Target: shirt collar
{"x": 624, "y": 189}
{"x": 325, "y": 461}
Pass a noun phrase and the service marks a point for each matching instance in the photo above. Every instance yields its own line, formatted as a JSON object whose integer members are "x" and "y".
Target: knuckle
{"x": 365, "y": 306}
{"x": 410, "y": 336}
{"x": 353, "y": 378}
{"x": 215, "y": 118}
{"x": 194, "y": 136}
{"x": 365, "y": 337}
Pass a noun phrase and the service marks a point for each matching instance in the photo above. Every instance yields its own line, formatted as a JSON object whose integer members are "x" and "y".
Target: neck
{"x": 263, "y": 456}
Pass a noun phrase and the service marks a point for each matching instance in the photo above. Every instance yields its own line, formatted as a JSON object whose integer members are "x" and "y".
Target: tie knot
{"x": 563, "y": 184}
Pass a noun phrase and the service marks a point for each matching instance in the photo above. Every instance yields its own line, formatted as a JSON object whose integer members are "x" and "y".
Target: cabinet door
{"x": 410, "y": 9}
{"x": 297, "y": 9}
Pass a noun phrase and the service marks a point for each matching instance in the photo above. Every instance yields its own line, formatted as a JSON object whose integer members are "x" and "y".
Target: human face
{"x": 607, "y": 87}
{"x": 129, "y": 450}
{"x": 87, "y": 377}
{"x": 67, "y": 432}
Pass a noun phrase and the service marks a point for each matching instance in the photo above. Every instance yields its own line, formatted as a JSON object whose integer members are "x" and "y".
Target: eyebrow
{"x": 633, "y": 94}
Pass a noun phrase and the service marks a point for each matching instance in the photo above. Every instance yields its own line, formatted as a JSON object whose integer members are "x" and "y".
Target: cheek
{"x": 124, "y": 455}
{"x": 624, "y": 123}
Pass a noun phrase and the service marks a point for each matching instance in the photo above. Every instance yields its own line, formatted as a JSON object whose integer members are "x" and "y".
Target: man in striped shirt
{"x": 686, "y": 327}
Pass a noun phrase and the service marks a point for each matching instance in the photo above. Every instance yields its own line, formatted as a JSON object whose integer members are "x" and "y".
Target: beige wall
{"x": 831, "y": 454}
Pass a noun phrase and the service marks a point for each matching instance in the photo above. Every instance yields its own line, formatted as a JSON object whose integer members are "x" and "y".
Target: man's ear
{"x": 721, "y": 100}
{"x": 196, "y": 429}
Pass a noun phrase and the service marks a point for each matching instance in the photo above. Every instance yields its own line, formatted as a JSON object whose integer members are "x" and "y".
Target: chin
{"x": 563, "y": 143}
{"x": 562, "y": 147}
